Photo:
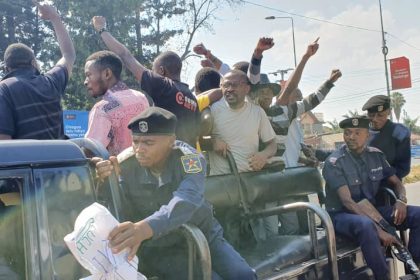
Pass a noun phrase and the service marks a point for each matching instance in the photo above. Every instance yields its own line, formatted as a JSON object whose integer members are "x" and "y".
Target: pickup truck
{"x": 44, "y": 185}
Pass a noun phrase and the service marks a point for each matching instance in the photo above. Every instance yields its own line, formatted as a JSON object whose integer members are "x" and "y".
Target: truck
{"x": 45, "y": 184}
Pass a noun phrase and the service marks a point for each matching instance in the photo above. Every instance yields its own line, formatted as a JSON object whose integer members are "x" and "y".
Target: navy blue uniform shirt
{"x": 361, "y": 173}
{"x": 30, "y": 103}
{"x": 175, "y": 198}
{"x": 177, "y": 98}
{"x": 394, "y": 141}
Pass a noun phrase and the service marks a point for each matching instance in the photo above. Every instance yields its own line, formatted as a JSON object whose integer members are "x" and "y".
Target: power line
{"x": 331, "y": 22}
{"x": 312, "y": 18}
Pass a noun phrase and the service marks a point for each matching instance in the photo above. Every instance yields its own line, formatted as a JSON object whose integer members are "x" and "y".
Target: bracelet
{"x": 103, "y": 29}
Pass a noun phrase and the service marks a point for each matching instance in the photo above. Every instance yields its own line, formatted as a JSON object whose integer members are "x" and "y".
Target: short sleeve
{"x": 7, "y": 121}
{"x": 388, "y": 170}
{"x": 154, "y": 85}
{"x": 58, "y": 75}
{"x": 203, "y": 102}
{"x": 333, "y": 174}
{"x": 266, "y": 131}
{"x": 99, "y": 126}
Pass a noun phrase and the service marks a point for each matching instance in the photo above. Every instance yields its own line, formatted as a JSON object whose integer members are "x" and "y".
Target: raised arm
{"x": 255, "y": 65}
{"x": 295, "y": 77}
{"x": 135, "y": 67}
{"x": 68, "y": 53}
{"x": 211, "y": 60}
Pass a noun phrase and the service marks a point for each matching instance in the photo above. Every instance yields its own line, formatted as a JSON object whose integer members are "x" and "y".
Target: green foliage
{"x": 144, "y": 26}
{"x": 351, "y": 114}
{"x": 411, "y": 123}
{"x": 334, "y": 126}
{"x": 397, "y": 102}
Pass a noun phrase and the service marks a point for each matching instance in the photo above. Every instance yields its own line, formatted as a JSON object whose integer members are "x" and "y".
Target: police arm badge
{"x": 191, "y": 163}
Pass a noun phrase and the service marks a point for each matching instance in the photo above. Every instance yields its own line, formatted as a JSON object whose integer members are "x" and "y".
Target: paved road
{"x": 413, "y": 193}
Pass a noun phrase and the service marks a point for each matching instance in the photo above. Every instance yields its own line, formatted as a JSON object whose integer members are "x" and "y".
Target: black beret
{"x": 153, "y": 120}
{"x": 377, "y": 103}
{"x": 356, "y": 122}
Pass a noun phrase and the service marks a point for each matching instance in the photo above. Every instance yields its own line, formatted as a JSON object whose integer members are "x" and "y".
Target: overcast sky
{"x": 356, "y": 52}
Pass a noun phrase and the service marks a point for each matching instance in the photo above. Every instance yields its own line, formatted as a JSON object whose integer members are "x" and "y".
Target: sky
{"x": 355, "y": 50}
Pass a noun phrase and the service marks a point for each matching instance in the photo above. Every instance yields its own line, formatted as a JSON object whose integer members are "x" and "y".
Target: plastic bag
{"x": 89, "y": 245}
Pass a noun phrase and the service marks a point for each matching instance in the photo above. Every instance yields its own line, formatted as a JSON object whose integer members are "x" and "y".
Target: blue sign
{"x": 75, "y": 123}
{"x": 415, "y": 151}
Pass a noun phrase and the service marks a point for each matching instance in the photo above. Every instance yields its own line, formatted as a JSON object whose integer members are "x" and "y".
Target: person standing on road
{"x": 393, "y": 139}
{"x": 163, "y": 182}
{"x": 110, "y": 116}
{"x": 30, "y": 102}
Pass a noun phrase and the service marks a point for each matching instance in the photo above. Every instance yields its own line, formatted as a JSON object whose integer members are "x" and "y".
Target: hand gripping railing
{"x": 325, "y": 220}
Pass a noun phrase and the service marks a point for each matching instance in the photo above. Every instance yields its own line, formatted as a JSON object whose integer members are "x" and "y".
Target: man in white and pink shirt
{"x": 110, "y": 116}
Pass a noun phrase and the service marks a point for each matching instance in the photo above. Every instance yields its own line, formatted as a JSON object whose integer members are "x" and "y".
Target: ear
{"x": 35, "y": 64}
{"x": 162, "y": 71}
{"x": 108, "y": 73}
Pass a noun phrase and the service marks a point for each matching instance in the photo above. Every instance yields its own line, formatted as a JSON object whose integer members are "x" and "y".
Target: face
{"x": 265, "y": 98}
{"x": 152, "y": 150}
{"x": 356, "y": 138}
{"x": 235, "y": 89}
{"x": 95, "y": 80}
{"x": 378, "y": 119}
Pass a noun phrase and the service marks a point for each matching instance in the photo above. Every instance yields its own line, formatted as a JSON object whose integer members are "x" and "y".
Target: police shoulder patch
{"x": 191, "y": 163}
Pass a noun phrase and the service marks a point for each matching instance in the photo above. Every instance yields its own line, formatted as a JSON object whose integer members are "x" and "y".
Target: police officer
{"x": 393, "y": 139}
{"x": 163, "y": 181}
{"x": 354, "y": 172}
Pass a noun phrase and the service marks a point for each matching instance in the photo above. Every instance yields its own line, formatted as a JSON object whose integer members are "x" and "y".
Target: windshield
{"x": 66, "y": 192}
{"x": 12, "y": 252}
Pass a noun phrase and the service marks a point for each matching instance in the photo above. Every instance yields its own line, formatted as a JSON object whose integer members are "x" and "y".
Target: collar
{"x": 119, "y": 86}
{"x": 22, "y": 72}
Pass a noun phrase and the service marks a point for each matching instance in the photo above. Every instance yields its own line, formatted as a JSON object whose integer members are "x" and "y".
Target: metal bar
{"x": 312, "y": 233}
{"x": 325, "y": 220}
{"x": 197, "y": 242}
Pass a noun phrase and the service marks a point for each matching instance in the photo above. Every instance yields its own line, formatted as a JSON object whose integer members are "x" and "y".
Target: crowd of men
{"x": 152, "y": 135}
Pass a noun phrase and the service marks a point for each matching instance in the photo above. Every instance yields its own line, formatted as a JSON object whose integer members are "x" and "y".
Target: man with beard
{"x": 110, "y": 116}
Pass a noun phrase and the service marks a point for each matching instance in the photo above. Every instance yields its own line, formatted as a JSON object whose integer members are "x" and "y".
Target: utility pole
{"x": 282, "y": 72}
{"x": 385, "y": 52}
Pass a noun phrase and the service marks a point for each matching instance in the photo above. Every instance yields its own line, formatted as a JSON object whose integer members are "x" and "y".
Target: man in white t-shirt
{"x": 238, "y": 126}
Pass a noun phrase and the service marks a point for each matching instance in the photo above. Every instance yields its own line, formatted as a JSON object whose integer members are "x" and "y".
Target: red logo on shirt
{"x": 188, "y": 103}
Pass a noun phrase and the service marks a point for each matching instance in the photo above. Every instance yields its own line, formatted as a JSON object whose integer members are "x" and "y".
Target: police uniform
{"x": 393, "y": 139}
{"x": 170, "y": 199}
{"x": 363, "y": 174}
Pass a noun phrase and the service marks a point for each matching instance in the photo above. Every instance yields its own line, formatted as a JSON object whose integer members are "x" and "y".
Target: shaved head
{"x": 168, "y": 64}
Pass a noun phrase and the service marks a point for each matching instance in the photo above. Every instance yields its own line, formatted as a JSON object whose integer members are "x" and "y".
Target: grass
{"x": 414, "y": 175}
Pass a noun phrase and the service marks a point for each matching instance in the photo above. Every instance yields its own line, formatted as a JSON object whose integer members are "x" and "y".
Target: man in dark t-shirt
{"x": 163, "y": 84}
{"x": 30, "y": 103}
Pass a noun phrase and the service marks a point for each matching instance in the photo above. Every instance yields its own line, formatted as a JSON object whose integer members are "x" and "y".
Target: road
{"x": 413, "y": 193}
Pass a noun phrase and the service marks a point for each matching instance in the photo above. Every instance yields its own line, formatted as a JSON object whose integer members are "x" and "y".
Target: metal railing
{"x": 326, "y": 222}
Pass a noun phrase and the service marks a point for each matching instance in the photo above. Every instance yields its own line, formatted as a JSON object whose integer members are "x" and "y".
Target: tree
{"x": 351, "y": 114}
{"x": 410, "y": 123}
{"x": 397, "y": 102}
{"x": 144, "y": 26}
{"x": 334, "y": 126}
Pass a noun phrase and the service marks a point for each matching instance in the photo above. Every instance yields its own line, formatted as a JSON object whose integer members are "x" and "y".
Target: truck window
{"x": 12, "y": 252}
{"x": 66, "y": 192}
